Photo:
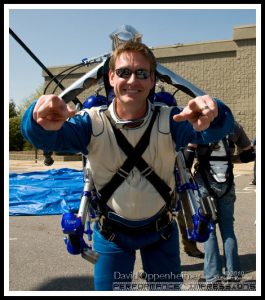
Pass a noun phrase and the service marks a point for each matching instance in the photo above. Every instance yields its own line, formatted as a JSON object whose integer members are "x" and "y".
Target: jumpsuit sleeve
{"x": 73, "y": 137}
{"x": 183, "y": 132}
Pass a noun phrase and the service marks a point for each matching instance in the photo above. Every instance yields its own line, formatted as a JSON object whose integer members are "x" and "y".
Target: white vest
{"x": 136, "y": 198}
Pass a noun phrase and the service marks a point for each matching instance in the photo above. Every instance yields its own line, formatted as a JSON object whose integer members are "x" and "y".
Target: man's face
{"x": 132, "y": 89}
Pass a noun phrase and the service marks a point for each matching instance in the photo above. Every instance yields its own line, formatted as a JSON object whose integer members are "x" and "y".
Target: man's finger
{"x": 180, "y": 117}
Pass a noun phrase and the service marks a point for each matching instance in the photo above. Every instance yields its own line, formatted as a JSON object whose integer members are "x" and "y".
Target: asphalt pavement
{"x": 38, "y": 262}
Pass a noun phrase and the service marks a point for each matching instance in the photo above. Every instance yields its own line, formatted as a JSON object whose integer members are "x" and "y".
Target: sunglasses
{"x": 126, "y": 73}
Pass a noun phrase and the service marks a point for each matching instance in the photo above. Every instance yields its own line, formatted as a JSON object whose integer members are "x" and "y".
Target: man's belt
{"x": 162, "y": 223}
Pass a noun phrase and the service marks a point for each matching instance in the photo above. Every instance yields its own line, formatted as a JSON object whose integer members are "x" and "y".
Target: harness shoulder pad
{"x": 96, "y": 114}
{"x": 163, "y": 119}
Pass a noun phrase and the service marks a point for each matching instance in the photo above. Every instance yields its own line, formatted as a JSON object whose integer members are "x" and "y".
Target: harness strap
{"x": 202, "y": 170}
{"x": 106, "y": 192}
{"x": 163, "y": 223}
{"x": 134, "y": 159}
{"x": 159, "y": 184}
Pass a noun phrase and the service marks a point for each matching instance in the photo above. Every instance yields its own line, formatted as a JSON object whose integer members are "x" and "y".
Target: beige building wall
{"x": 223, "y": 69}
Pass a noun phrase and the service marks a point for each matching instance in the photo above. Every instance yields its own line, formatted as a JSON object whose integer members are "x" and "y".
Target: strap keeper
{"x": 146, "y": 172}
{"x": 122, "y": 173}
{"x": 164, "y": 221}
{"x": 112, "y": 237}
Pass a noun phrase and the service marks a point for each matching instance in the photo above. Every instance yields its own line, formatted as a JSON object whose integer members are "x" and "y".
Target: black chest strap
{"x": 134, "y": 158}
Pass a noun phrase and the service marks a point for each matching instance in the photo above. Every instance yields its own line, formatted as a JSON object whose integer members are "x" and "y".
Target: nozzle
{"x": 203, "y": 222}
{"x": 90, "y": 255}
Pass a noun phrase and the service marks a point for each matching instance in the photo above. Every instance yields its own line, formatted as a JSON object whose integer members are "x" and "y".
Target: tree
{"x": 16, "y": 139}
{"x": 15, "y": 136}
{"x": 12, "y": 109}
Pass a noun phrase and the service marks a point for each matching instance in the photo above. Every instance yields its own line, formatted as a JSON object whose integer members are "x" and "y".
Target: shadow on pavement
{"x": 248, "y": 264}
{"x": 86, "y": 283}
{"x": 82, "y": 283}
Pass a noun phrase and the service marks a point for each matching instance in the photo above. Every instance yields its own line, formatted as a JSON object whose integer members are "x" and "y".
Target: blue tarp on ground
{"x": 46, "y": 192}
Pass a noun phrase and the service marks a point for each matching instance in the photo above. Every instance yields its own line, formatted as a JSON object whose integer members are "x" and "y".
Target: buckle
{"x": 105, "y": 230}
{"x": 111, "y": 237}
{"x": 164, "y": 221}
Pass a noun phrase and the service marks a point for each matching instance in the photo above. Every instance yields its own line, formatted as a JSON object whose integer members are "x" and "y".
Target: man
{"x": 214, "y": 174}
{"x": 136, "y": 214}
{"x": 128, "y": 33}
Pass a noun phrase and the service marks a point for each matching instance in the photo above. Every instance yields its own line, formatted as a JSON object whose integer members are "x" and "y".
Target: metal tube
{"x": 75, "y": 100}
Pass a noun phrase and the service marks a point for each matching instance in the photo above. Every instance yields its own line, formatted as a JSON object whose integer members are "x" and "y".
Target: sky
{"x": 65, "y": 34}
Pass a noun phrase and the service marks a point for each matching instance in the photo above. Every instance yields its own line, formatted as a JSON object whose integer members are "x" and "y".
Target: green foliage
{"x": 27, "y": 146}
{"x": 16, "y": 139}
{"x": 12, "y": 109}
{"x": 15, "y": 136}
